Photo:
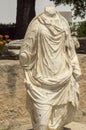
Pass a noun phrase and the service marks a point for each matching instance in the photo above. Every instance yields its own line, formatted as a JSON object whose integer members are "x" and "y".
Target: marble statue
{"x": 51, "y": 71}
{"x": 76, "y": 42}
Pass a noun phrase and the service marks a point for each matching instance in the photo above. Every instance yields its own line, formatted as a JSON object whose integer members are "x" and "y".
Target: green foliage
{"x": 79, "y": 6}
{"x": 73, "y": 28}
{"x": 3, "y": 50}
{"x": 78, "y": 29}
{"x": 81, "y": 30}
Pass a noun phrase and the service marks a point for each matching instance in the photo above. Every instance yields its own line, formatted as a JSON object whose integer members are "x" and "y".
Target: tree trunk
{"x": 25, "y": 13}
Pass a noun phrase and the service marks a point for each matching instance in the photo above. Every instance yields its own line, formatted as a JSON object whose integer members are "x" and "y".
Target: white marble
{"x": 51, "y": 71}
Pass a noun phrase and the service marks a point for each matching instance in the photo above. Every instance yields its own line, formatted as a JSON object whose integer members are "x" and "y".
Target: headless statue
{"x": 51, "y": 70}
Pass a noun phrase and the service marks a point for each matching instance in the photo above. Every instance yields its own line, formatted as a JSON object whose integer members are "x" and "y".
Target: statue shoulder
{"x": 33, "y": 27}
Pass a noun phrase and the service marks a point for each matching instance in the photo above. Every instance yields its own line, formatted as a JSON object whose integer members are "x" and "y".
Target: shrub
{"x": 8, "y": 29}
{"x": 4, "y": 40}
{"x": 81, "y": 30}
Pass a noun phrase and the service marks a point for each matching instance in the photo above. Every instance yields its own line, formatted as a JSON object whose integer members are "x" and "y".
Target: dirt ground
{"x": 81, "y": 114}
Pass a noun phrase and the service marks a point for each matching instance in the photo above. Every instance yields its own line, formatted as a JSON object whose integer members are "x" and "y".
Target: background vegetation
{"x": 8, "y": 29}
{"x": 78, "y": 29}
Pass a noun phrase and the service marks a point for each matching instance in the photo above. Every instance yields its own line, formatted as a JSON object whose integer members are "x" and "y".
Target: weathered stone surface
{"x": 13, "y": 113}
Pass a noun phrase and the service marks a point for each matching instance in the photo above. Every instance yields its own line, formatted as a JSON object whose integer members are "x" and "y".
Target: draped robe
{"x": 51, "y": 69}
